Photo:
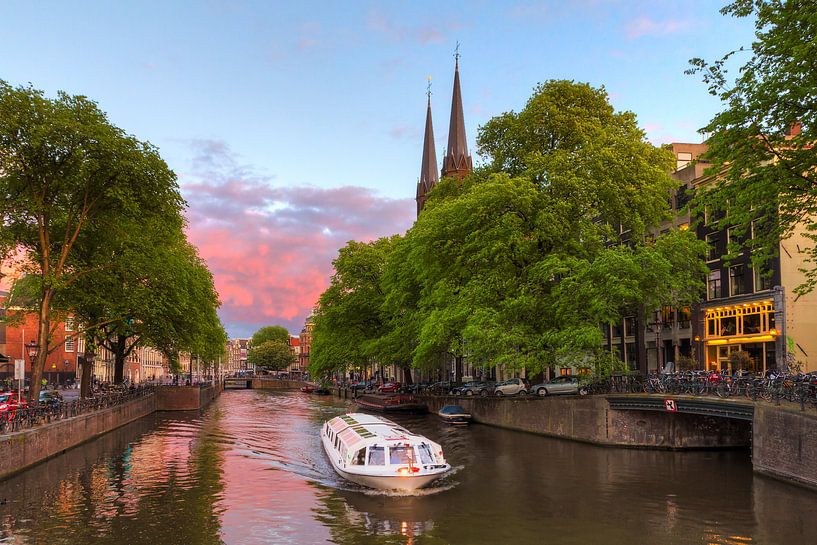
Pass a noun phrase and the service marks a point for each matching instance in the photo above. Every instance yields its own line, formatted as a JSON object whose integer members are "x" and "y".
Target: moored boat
{"x": 378, "y": 453}
{"x": 454, "y": 414}
{"x": 390, "y": 403}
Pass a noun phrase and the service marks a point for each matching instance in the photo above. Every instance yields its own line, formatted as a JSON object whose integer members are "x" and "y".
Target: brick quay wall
{"x": 23, "y": 449}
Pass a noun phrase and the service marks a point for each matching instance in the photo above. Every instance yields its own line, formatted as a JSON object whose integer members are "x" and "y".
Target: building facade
{"x": 743, "y": 310}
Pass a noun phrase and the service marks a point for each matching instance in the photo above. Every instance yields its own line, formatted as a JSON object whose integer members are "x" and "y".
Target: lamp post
{"x": 33, "y": 349}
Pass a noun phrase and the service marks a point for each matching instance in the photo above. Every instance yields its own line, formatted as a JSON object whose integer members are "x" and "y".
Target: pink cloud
{"x": 270, "y": 247}
{"x": 645, "y": 26}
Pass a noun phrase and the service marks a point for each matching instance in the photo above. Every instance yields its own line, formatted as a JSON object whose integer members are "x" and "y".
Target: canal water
{"x": 251, "y": 470}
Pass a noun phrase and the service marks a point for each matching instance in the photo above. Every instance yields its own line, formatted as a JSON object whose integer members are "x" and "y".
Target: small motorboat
{"x": 374, "y": 452}
{"x": 454, "y": 414}
{"x": 308, "y": 389}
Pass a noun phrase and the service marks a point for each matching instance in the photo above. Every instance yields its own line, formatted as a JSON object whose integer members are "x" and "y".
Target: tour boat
{"x": 374, "y": 452}
{"x": 454, "y": 414}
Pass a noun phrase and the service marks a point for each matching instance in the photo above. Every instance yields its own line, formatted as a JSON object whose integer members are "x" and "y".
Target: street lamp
{"x": 33, "y": 352}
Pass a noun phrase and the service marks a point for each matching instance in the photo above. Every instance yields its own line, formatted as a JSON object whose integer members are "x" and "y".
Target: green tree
{"x": 65, "y": 171}
{"x": 520, "y": 263}
{"x": 272, "y": 355}
{"x": 766, "y": 173}
{"x": 270, "y": 333}
{"x": 349, "y": 322}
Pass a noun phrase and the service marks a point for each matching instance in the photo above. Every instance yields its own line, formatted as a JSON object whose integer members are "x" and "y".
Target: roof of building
{"x": 456, "y": 158}
{"x": 428, "y": 167}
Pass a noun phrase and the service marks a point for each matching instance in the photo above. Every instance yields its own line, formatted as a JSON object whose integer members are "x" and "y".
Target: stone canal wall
{"x": 23, "y": 449}
{"x": 275, "y": 384}
{"x": 185, "y": 398}
{"x": 590, "y": 419}
{"x": 785, "y": 444}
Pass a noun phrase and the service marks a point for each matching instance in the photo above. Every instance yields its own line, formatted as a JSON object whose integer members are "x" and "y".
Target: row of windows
{"x": 737, "y": 282}
{"x": 754, "y": 319}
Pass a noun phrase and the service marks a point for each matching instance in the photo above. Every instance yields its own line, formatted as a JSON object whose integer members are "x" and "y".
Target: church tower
{"x": 428, "y": 169}
{"x": 456, "y": 162}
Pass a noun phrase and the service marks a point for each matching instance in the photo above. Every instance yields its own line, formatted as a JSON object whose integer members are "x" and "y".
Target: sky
{"x": 295, "y": 127}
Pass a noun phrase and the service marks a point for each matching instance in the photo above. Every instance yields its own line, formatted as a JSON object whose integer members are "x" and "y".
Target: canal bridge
{"x": 261, "y": 383}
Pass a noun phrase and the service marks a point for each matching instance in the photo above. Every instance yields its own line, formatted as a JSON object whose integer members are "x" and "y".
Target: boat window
{"x": 426, "y": 457}
{"x": 360, "y": 457}
{"x": 400, "y": 455}
{"x": 377, "y": 456}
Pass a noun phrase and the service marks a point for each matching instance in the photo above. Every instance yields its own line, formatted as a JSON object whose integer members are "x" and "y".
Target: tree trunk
{"x": 85, "y": 381}
{"x": 38, "y": 368}
{"x": 407, "y": 376}
{"x": 119, "y": 359}
{"x": 458, "y": 369}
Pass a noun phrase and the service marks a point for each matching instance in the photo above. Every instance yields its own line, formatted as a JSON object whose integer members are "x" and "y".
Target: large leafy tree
{"x": 63, "y": 169}
{"x": 270, "y": 333}
{"x": 766, "y": 173}
{"x": 349, "y": 321}
{"x": 520, "y": 262}
{"x": 273, "y": 355}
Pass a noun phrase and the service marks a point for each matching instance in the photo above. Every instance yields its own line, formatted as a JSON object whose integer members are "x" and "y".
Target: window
{"x": 360, "y": 458}
{"x": 762, "y": 280}
{"x": 713, "y": 285}
{"x": 69, "y": 323}
{"x": 712, "y": 247}
{"x": 617, "y": 329}
{"x": 682, "y": 160}
{"x": 400, "y": 455}
{"x": 69, "y": 344}
{"x": 629, "y": 326}
{"x": 747, "y": 319}
{"x": 426, "y": 456}
{"x": 377, "y": 456}
{"x": 632, "y": 354}
{"x": 684, "y": 317}
{"x": 736, "y": 283}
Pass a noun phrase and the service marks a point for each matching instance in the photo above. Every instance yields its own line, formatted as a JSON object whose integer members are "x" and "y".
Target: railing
{"x": 20, "y": 419}
{"x": 795, "y": 389}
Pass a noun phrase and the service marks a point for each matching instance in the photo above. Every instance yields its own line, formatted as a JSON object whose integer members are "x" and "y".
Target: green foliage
{"x": 519, "y": 263}
{"x": 349, "y": 322}
{"x": 273, "y": 355}
{"x": 98, "y": 216}
{"x": 270, "y": 333}
{"x": 763, "y": 174}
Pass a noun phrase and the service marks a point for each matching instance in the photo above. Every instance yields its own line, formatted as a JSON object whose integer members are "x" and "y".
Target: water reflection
{"x": 115, "y": 487}
{"x": 251, "y": 470}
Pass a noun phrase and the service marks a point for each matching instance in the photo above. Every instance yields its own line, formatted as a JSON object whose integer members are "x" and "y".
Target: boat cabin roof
{"x": 357, "y": 430}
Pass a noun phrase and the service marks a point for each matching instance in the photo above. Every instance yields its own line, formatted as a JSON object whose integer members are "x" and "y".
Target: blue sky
{"x": 284, "y": 99}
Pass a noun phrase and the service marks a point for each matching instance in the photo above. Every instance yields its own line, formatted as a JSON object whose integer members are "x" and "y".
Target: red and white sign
{"x": 670, "y": 406}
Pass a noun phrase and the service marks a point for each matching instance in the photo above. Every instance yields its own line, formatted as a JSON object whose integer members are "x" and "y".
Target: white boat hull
{"x": 404, "y": 483}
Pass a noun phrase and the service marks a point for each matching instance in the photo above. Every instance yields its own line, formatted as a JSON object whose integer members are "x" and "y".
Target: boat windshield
{"x": 400, "y": 455}
{"x": 377, "y": 456}
{"x": 426, "y": 457}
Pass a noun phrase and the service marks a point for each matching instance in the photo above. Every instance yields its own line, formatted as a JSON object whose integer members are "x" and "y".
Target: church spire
{"x": 428, "y": 169}
{"x": 457, "y": 162}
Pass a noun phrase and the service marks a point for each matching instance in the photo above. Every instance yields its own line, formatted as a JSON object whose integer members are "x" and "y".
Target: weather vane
{"x": 428, "y": 90}
{"x": 457, "y": 52}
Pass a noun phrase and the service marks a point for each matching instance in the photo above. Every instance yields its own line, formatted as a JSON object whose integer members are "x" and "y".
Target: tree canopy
{"x": 98, "y": 216}
{"x": 270, "y": 333}
{"x": 761, "y": 145}
{"x": 520, "y": 262}
{"x": 273, "y": 355}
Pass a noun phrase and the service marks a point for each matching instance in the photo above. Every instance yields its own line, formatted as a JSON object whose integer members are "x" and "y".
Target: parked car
{"x": 440, "y": 388}
{"x": 565, "y": 384}
{"x": 50, "y": 398}
{"x": 511, "y": 387}
{"x": 9, "y": 403}
{"x": 389, "y": 388}
{"x": 476, "y": 388}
